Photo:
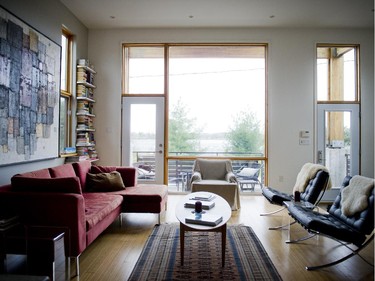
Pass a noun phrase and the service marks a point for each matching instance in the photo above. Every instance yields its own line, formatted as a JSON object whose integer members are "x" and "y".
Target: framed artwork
{"x": 29, "y": 92}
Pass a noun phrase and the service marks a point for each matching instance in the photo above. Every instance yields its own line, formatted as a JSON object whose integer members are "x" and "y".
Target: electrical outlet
{"x": 304, "y": 141}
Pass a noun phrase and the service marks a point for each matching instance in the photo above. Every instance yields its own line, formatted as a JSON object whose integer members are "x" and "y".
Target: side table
{"x": 46, "y": 252}
{"x": 9, "y": 224}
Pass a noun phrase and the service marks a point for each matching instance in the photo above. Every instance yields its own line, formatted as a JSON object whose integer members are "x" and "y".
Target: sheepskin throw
{"x": 308, "y": 172}
{"x": 354, "y": 197}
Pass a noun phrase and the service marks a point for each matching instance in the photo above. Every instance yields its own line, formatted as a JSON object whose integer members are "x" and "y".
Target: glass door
{"x": 143, "y": 137}
{"x": 338, "y": 140}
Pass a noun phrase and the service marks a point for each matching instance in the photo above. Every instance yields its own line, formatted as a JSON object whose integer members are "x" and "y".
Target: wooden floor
{"x": 113, "y": 255}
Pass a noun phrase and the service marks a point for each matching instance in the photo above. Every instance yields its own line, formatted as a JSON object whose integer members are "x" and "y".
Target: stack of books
{"x": 84, "y": 92}
{"x": 83, "y": 138}
{"x": 89, "y": 77}
{"x": 92, "y": 153}
{"x": 206, "y": 205}
{"x": 77, "y": 158}
{"x": 81, "y": 75}
{"x": 83, "y": 107}
{"x": 205, "y": 219}
{"x": 85, "y": 122}
{"x": 208, "y": 197}
{"x": 83, "y": 151}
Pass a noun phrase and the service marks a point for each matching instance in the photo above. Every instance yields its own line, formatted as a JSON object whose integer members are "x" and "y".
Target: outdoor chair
{"x": 314, "y": 178}
{"x": 216, "y": 176}
{"x": 249, "y": 175}
{"x": 350, "y": 220}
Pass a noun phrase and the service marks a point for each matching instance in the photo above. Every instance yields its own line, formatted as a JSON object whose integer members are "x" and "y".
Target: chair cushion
{"x": 276, "y": 197}
{"x": 362, "y": 221}
{"x": 315, "y": 186}
{"x": 212, "y": 169}
{"x": 247, "y": 172}
{"x": 326, "y": 224}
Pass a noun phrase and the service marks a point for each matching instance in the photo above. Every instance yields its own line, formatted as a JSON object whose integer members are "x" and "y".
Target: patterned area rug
{"x": 245, "y": 257}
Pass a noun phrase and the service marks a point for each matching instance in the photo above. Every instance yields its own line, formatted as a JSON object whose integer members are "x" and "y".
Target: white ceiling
{"x": 102, "y": 14}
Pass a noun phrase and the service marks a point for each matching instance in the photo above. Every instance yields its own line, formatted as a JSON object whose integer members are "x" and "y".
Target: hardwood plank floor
{"x": 113, "y": 255}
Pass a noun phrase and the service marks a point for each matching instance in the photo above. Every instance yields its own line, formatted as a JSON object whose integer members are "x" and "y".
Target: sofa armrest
{"x": 231, "y": 177}
{"x": 196, "y": 176}
{"x": 129, "y": 175}
{"x": 50, "y": 209}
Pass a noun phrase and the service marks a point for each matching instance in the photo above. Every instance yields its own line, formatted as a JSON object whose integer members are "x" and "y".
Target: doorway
{"x": 338, "y": 140}
{"x": 143, "y": 137}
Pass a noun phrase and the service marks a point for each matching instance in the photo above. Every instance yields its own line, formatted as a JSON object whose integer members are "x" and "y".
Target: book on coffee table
{"x": 205, "y": 205}
{"x": 205, "y": 219}
{"x": 208, "y": 197}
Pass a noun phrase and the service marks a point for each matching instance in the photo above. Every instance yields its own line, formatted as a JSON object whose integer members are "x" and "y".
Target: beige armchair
{"x": 216, "y": 176}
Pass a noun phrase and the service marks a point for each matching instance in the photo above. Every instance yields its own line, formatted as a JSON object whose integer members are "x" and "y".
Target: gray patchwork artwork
{"x": 29, "y": 92}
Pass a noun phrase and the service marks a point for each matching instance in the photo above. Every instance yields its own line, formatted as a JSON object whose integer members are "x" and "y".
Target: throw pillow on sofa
{"x": 105, "y": 182}
{"x": 63, "y": 185}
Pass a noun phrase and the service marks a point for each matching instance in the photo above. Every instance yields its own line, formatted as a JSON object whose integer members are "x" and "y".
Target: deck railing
{"x": 179, "y": 170}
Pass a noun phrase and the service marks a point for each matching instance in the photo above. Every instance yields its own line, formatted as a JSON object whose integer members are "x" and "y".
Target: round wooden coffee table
{"x": 221, "y": 208}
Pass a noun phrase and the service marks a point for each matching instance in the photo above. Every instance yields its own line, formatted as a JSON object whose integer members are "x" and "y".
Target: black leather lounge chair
{"x": 357, "y": 229}
{"x": 313, "y": 193}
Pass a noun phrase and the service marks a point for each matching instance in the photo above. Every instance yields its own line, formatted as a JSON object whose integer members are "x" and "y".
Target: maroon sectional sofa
{"x": 58, "y": 197}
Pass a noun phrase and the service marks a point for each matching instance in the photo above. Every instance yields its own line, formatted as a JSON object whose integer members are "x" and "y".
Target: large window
{"x": 215, "y": 100}
{"x": 66, "y": 90}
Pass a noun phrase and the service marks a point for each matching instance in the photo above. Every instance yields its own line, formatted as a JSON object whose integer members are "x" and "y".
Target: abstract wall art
{"x": 29, "y": 92}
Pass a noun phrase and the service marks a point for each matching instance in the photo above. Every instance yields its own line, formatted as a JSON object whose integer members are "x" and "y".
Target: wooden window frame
{"x": 68, "y": 93}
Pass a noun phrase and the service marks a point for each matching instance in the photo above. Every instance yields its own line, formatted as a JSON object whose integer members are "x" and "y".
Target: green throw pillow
{"x": 105, "y": 182}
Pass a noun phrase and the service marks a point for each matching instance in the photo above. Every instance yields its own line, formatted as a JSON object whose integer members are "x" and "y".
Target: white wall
{"x": 290, "y": 88}
{"x": 48, "y": 17}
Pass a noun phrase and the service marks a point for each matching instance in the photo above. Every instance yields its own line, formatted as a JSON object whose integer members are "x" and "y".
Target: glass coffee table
{"x": 221, "y": 208}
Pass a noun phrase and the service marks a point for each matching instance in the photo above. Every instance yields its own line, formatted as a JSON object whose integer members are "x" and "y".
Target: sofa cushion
{"x": 81, "y": 169}
{"x": 98, "y": 206}
{"x": 104, "y": 182}
{"x": 62, "y": 171}
{"x": 61, "y": 185}
{"x": 44, "y": 173}
{"x": 128, "y": 174}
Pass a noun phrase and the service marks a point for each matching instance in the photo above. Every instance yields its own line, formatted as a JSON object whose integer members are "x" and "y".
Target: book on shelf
{"x": 77, "y": 158}
{"x": 69, "y": 150}
{"x": 206, "y": 205}
{"x": 208, "y": 197}
{"x": 82, "y": 151}
{"x": 205, "y": 219}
